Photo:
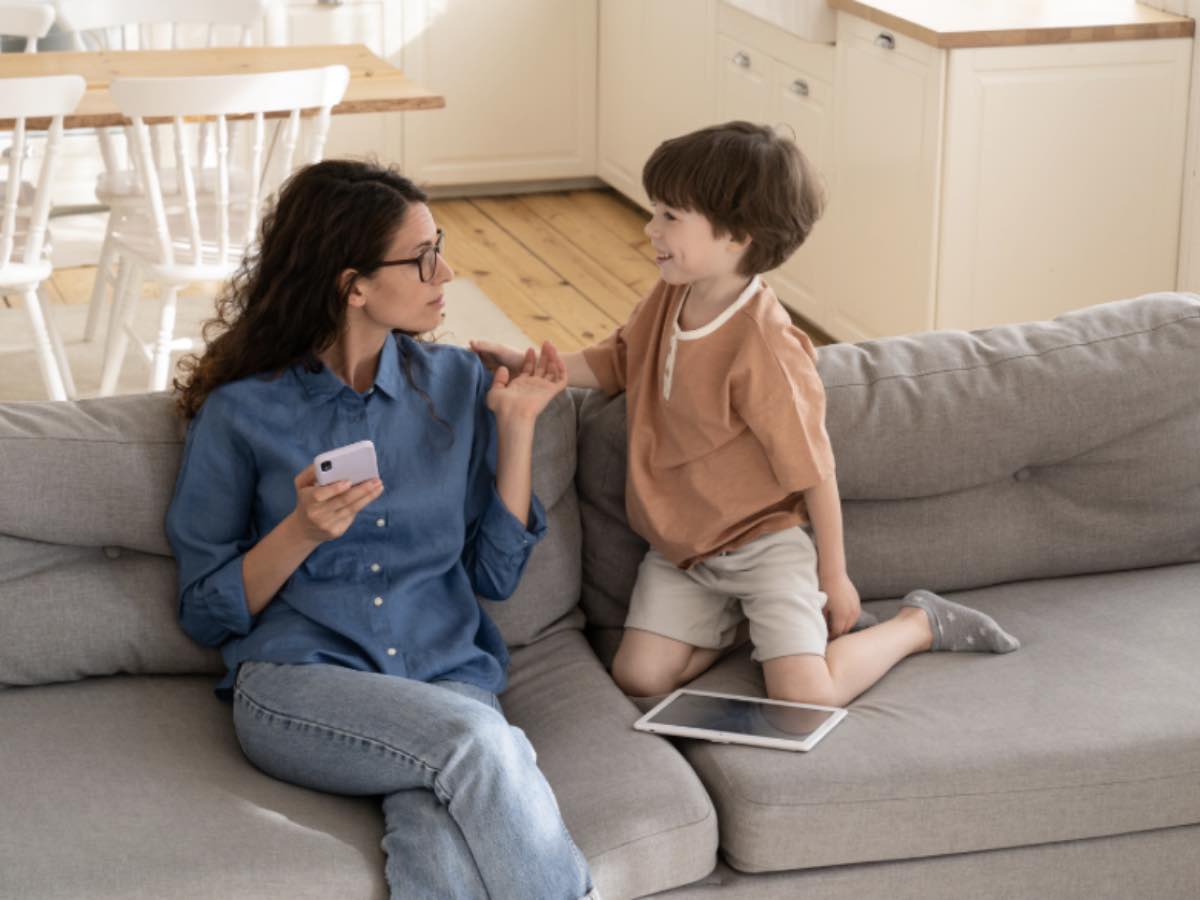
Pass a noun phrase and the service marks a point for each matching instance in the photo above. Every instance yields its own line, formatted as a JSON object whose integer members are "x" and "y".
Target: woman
{"x": 359, "y": 661}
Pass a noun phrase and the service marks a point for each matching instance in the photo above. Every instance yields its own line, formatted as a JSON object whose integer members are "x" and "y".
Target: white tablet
{"x": 730, "y": 719}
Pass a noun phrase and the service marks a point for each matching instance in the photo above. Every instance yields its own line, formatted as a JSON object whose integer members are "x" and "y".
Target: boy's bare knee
{"x": 640, "y": 680}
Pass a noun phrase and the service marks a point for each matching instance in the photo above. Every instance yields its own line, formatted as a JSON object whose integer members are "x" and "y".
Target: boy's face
{"x": 686, "y": 250}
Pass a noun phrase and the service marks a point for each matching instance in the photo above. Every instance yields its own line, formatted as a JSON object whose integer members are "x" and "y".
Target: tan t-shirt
{"x": 726, "y": 423}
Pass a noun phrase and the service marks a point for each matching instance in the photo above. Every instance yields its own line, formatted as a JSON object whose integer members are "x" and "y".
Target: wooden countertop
{"x": 1009, "y": 23}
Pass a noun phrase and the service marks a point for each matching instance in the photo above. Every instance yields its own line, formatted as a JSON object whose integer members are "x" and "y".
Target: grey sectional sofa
{"x": 1047, "y": 473}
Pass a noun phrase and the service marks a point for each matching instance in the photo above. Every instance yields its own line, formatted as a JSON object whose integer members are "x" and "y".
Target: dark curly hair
{"x": 284, "y": 305}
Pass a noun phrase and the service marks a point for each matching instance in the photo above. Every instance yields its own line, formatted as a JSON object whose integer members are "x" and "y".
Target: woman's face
{"x": 395, "y": 296}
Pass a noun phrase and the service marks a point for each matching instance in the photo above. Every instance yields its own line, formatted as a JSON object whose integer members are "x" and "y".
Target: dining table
{"x": 375, "y": 84}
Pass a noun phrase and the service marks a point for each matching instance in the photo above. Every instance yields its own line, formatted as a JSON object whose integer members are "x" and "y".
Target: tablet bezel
{"x": 733, "y": 737}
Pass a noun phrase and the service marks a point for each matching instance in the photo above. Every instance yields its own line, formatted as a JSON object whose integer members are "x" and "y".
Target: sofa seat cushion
{"x": 1091, "y": 728}
{"x": 135, "y": 787}
{"x": 635, "y": 807}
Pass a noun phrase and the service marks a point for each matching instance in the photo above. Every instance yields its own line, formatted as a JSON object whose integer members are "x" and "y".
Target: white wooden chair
{"x": 23, "y": 263}
{"x": 174, "y": 244}
{"x": 149, "y": 24}
{"x": 27, "y": 19}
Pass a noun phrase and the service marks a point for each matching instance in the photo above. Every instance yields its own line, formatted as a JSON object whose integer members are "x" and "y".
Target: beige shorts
{"x": 772, "y": 581}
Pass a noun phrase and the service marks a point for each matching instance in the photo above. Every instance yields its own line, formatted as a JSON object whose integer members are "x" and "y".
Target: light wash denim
{"x": 467, "y": 811}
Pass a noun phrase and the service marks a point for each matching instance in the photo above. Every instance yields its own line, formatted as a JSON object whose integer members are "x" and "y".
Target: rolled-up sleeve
{"x": 209, "y": 525}
{"x": 498, "y": 544}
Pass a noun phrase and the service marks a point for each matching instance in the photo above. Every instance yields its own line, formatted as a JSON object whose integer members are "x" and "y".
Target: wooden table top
{"x": 987, "y": 23}
{"x": 375, "y": 84}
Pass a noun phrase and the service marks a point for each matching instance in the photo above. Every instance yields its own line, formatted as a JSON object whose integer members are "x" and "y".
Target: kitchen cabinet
{"x": 985, "y": 184}
{"x": 519, "y": 80}
{"x": 374, "y": 23}
{"x": 755, "y": 83}
{"x": 656, "y": 81}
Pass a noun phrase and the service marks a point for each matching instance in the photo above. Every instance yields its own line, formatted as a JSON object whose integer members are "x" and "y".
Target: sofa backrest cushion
{"x": 967, "y": 459}
{"x": 87, "y": 583}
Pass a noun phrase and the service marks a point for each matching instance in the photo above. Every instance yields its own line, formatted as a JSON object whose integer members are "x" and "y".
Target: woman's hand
{"x": 494, "y": 355}
{"x": 842, "y": 605}
{"x": 523, "y": 396}
{"x": 324, "y": 512}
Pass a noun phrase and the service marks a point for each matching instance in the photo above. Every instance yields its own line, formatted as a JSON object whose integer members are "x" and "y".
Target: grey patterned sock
{"x": 865, "y": 620}
{"x": 960, "y": 628}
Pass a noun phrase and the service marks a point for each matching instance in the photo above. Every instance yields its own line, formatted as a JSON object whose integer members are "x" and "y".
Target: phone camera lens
{"x": 326, "y": 465}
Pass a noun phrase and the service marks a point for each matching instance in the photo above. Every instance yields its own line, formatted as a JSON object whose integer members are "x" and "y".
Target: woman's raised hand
{"x": 524, "y": 391}
{"x": 324, "y": 511}
{"x": 494, "y": 355}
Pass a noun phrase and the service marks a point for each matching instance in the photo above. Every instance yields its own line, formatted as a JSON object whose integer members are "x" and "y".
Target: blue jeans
{"x": 467, "y": 811}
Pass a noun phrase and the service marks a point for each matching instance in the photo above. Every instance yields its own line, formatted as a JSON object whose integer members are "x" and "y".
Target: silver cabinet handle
{"x": 886, "y": 41}
{"x": 800, "y": 86}
{"x": 741, "y": 59}
{"x": 330, "y": 2}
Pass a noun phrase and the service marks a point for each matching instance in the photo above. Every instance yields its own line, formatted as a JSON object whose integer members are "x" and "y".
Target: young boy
{"x": 730, "y": 465}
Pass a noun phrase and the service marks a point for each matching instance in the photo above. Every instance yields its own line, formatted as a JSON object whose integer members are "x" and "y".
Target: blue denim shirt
{"x": 396, "y": 592}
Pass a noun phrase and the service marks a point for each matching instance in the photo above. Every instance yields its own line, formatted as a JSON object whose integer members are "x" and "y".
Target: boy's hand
{"x": 495, "y": 355}
{"x": 523, "y": 396}
{"x": 842, "y": 605}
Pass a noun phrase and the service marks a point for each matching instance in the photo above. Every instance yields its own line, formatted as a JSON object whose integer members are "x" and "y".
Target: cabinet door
{"x": 374, "y": 23}
{"x": 657, "y": 81}
{"x": 887, "y": 139}
{"x": 804, "y": 104}
{"x": 520, "y": 84}
{"x": 744, "y": 81}
{"x": 1063, "y": 178}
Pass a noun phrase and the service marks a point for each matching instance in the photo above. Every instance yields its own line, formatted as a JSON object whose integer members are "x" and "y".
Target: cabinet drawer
{"x": 885, "y": 40}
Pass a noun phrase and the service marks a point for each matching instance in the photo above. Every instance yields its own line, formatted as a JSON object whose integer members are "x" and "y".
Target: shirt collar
{"x": 321, "y": 384}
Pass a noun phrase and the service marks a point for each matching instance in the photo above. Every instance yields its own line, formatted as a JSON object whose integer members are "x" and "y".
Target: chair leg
{"x": 42, "y": 345}
{"x": 103, "y": 278}
{"x": 160, "y": 365}
{"x": 125, "y": 299}
{"x": 56, "y": 344}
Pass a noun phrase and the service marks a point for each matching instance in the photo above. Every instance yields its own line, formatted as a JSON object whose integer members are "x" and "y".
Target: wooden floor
{"x": 567, "y": 266}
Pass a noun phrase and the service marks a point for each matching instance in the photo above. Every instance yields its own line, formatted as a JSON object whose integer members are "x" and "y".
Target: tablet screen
{"x": 768, "y": 720}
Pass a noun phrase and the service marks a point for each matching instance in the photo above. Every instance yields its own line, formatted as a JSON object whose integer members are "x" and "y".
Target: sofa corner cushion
{"x": 636, "y": 809}
{"x": 136, "y": 787}
{"x": 91, "y": 473}
{"x": 76, "y": 612}
{"x": 1091, "y": 728}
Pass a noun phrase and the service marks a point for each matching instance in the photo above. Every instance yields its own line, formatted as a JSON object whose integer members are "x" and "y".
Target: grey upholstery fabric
{"x": 85, "y": 572}
{"x": 71, "y": 612}
{"x": 135, "y": 787}
{"x": 635, "y": 807}
{"x": 100, "y": 771}
{"x": 547, "y": 599}
{"x": 1159, "y": 864}
{"x": 94, "y": 473}
{"x": 1091, "y": 728}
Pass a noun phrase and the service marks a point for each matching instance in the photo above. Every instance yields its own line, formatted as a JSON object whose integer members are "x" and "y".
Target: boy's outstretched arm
{"x": 579, "y": 373}
{"x": 825, "y": 513}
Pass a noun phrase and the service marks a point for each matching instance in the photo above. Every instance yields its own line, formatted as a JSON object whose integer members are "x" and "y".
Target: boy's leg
{"x": 676, "y": 629}
{"x": 851, "y": 664}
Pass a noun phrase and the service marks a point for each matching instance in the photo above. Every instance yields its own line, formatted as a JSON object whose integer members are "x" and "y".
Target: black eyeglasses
{"x": 426, "y": 263}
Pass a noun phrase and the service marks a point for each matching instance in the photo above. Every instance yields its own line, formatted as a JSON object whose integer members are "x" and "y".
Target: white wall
{"x": 1189, "y": 234}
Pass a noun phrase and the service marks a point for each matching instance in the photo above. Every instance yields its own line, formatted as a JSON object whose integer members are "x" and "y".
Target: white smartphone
{"x": 354, "y": 463}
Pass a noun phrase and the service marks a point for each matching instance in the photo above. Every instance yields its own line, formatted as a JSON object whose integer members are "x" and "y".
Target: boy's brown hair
{"x": 747, "y": 181}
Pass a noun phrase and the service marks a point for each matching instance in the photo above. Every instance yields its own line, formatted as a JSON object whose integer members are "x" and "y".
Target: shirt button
{"x": 379, "y": 601}
{"x": 391, "y": 651}
{"x": 375, "y": 567}
{"x": 380, "y": 522}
